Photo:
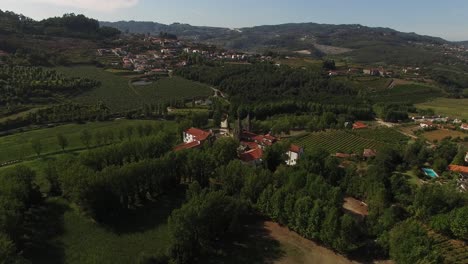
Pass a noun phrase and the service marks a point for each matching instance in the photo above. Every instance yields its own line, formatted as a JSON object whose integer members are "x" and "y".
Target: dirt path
{"x": 301, "y": 250}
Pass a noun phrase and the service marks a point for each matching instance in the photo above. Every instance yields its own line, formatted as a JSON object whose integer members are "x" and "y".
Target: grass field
{"x": 117, "y": 93}
{"x": 18, "y": 146}
{"x": 78, "y": 239}
{"x": 446, "y": 106}
{"x": 442, "y": 133}
{"x": 351, "y": 141}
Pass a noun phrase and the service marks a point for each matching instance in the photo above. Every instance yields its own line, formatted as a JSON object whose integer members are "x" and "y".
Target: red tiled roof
{"x": 343, "y": 155}
{"x": 252, "y": 155}
{"x": 250, "y": 145}
{"x": 359, "y": 125}
{"x": 295, "y": 149}
{"x": 270, "y": 137}
{"x": 190, "y": 145}
{"x": 456, "y": 168}
{"x": 198, "y": 134}
{"x": 369, "y": 153}
{"x": 465, "y": 126}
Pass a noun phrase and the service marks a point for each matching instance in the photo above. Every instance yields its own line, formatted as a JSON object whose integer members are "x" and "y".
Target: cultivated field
{"x": 351, "y": 141}
{"x": 446, "y": 106}
{"x": 18, "y": 146}
{"x": 118, "y": 94}
{"x": 411, "y": 93}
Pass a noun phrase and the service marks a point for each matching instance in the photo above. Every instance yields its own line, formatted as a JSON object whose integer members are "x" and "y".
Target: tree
{"x": 459, "y": 223}
{"x": 409, "y": 243}
{"x": 329, "y": 65}
{"x": 274, "y": 156}
{"x": 7, "y": 249}
{"x": 129, "y": 130}
{"x": 86, "y": 138}
{"x": 62, "y": 141}
{"x": 98, "y": 138}
{"x": 36, "y": 144}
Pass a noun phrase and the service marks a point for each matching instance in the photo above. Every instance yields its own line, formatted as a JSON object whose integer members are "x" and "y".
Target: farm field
{"x": 119, "y": 95}
{"x": 446, "y": 106}
{"x": 442, "y": 133}
{"x": 351, "y": 141}
{"x": 18, "y": 146}
{"x": 411, "y": 93}
{"x": 78, "y": 239}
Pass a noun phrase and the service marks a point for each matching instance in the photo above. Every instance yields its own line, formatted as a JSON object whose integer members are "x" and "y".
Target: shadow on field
{"x": 253, "y": 244}
{"x": 149, "y": 215}
{"x": 43, "y": 225}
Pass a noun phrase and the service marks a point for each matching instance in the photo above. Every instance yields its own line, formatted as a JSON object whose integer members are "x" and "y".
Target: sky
{"x": 441, "y": 18}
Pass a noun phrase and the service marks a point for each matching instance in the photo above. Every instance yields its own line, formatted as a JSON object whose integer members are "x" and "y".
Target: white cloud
{"x": 95, "y": 5}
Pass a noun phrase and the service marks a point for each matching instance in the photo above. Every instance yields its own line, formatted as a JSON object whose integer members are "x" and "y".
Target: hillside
{"x": 360, "y": 42}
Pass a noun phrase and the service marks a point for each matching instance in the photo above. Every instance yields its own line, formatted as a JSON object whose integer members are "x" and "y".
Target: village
{"x": 163, "y": 54}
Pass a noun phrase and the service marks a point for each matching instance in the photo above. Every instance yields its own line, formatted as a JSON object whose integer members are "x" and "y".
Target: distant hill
{"x": 463, "y": 43}
{"x": 305, "y": 38}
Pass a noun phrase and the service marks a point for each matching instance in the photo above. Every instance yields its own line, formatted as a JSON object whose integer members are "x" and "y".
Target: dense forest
{"x": 69, "y": 25}
{"x": 266, "y": 81}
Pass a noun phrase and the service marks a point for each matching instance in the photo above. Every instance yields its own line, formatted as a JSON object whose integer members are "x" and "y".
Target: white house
{"x": 464, "y": 126}
{"x": 426, "y": 124}
{"x": 294, "y": 153}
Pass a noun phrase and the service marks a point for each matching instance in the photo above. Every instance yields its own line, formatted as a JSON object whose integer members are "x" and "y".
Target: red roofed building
{"x": 249, "y": 145}
{"x": 369, "y": 153}
{"x": 191, "y": 145}
{"x": 359, "y": 125}
{"x": 265, "y": 141}
{"x": 460, "y": 169}
{"x": 195, "y": 134}
{"x": 252, "y": 157}
{"x": 246, "y": 135}
{"x": 193, "y": 138}
{"x": 294, "y": 153}
{"x": 464, "y": 126}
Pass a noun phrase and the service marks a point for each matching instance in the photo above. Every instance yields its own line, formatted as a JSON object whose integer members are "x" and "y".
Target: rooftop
{"x": 199, "y": 134}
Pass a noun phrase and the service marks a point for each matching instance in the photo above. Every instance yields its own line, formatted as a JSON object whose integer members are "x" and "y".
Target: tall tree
{"x": 62, "y": 141}
{"x": 36, "y": 144}
{"x": 86, "y": 138}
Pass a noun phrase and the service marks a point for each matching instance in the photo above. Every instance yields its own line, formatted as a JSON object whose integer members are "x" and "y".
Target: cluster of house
{"x": 167, "y": 54}
{"x": 373, "y": 72}
{"x": 251, "y": 146}
{"x": 426, "y": 122}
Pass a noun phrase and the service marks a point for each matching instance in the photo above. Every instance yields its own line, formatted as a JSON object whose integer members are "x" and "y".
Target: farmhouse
{"x": 359, "y": 125}
{"x": 193, "y": 138}
{"x": 294, "y": 153}
{"x": 464, "y": 126}
{"x": 195, "y": 134}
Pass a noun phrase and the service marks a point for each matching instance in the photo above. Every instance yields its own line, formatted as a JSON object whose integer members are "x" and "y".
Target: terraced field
{"x": 351, "y": 141}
